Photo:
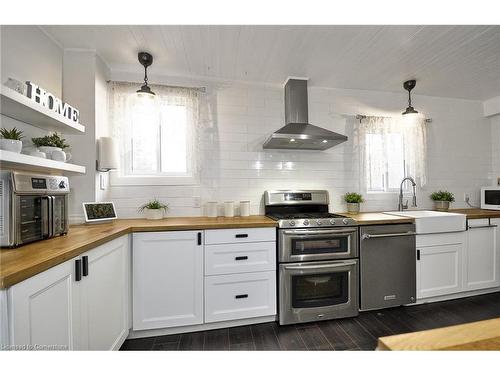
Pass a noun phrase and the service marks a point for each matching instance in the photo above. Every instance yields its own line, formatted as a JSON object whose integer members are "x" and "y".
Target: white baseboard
{"x": 200, "y": 327}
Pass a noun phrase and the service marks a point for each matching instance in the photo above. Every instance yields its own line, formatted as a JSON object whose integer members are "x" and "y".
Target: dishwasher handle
{"x": 367, "y": 236}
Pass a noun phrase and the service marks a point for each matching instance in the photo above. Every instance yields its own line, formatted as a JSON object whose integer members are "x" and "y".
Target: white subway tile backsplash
{"x": 233, "y": 165}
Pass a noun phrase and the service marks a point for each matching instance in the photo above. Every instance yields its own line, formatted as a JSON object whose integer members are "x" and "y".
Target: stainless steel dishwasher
{"x": 387, "y": 265}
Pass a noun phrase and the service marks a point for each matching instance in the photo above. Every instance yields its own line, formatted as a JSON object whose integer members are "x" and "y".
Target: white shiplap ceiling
{"x": 449, "y": 61}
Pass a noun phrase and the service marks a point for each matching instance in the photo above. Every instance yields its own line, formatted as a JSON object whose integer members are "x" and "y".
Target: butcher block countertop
{"x": 482, "y": 335}
{"x": 477, "y": 213}
{"x": 26, "y": 261}
{"x": 371, "y": 218}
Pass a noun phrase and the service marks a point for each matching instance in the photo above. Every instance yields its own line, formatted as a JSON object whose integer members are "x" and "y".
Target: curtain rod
{"x": 361, "y": 117}
{"x": 200, "y": 88}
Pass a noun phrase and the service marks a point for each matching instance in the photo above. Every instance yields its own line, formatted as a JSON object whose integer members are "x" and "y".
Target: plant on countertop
{"x": 13, "y": 134}
{"x": 443, "y": 196}
{"x": 154, "y": 204}
{"x": 353, "y": 198}
{"x": 52, "y": 140}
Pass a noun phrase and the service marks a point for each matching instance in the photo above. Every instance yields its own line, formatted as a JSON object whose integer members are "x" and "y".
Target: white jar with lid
{"x": 244, "y": 208}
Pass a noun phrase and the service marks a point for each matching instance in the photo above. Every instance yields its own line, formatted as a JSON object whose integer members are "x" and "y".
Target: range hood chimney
{"x": 298, "y": 134}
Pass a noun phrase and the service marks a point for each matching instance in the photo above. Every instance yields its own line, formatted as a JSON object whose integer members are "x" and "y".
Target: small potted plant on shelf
{"x": 353, "y": 200}
{"x": 53, "y": 145}
{"x": 154, "y": 209}
{"x": 11, "y": 140}
{"x": 442, "y": 199}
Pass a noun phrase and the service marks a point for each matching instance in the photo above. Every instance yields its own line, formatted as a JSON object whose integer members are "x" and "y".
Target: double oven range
{"x": 317, "y": 255}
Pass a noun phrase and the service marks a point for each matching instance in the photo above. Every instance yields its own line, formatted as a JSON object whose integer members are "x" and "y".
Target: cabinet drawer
{"x": 240, "y": 296}
{"x": 219, "y": 236}
{"x": 240, "y": 257}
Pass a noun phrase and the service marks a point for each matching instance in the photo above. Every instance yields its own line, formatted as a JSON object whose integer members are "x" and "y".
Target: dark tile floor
{"x": 359, "y": 333}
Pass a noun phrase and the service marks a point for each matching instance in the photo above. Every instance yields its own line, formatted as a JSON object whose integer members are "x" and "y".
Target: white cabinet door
{"x": 439, "y": 270}
{"x": 167, "y": 279}
{"x": 105, "y": 296}
{"x": 482, "y": 259}
{"x": 44, "y": 309}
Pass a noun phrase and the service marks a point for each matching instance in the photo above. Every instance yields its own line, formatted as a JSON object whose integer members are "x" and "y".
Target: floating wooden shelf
{"x": 13, "y": 160}
{"x": 21, "y": 108}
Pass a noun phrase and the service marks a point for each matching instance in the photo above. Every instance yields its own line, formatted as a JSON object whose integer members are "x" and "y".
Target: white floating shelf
{"x": 13, "y": 160}
{"x": 21, "y": 108}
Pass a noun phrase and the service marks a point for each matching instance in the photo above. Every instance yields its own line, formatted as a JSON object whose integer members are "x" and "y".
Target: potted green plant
{"x": 11, "y": 140}
{"x": 154, "y": 209}
{"x": 353, "y": 201}
{"x": 53, "y": 145}
{"x": 442, "y": 199}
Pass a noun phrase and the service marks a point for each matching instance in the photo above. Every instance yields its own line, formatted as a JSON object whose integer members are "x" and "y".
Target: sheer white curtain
{"x": 156, "y": 137}
{"x": 391, "y": 148}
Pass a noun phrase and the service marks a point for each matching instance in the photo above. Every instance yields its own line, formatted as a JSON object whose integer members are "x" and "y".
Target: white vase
{"x": 11, "y": 145}
{"x": 154, "y": 214}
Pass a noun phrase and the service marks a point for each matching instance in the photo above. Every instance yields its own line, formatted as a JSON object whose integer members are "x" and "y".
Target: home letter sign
{"x": 50, "y": 101}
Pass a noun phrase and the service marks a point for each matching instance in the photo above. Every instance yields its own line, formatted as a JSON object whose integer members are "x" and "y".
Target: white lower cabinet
{"x": 105, "y": 296}
{"x": 439, "y": 270}
{"x": 56, "y": 309}
{"x": 482, "y": 260}
{"x": 167, "y": 279}
{"x": 179, "y": 280}
{"x": 239, "y": 296}
{"x": 44, "y": 310}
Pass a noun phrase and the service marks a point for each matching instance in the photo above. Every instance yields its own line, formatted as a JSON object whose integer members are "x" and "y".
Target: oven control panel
{"x": 312, "y": 223}
{"x": 31, "y": 183}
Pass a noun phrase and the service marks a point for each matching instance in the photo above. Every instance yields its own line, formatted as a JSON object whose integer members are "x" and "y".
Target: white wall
{"x": 235, "y": 167}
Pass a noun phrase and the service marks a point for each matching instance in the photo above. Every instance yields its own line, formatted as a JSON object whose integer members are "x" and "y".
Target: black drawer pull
{"x": 85, "y": 265}
{"x": 199, "y": 238}
{"x": 241, "y": 258}
{"x": 78, "y": 269}
{"x": 241, "y": 296}
{"x": 418, "y": 254}
{"x": 243, "y": 235}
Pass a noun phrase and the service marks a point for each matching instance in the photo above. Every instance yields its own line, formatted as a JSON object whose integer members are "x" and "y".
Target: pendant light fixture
{"x": 408, "y": 86}
{"x": 146, "y": 59}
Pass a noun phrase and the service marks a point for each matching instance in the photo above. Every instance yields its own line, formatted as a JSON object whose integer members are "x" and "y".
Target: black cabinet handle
{"x": 418, "y": 254}
{"x": 241, "y": 296}
{"x": 241, "y": 258}
{"x": 78, "y": 269}
{"x": 85, "y": 265}
{"x": 243, "y": 235}
{"x": 199, "y": 238}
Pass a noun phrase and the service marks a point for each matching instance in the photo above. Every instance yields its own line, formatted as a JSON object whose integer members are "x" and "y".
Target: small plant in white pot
{"x": 353, "y": 201}
{"x": 154, "y": 209}
{"x": 442, "y": 200}
{"x": 11, "y": 140}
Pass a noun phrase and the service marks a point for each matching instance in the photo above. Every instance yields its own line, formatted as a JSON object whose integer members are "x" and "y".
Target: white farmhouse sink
{"x": 434, "y": 221}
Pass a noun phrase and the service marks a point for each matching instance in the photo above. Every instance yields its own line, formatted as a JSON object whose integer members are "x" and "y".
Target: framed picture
{"x": 99, "y": 211}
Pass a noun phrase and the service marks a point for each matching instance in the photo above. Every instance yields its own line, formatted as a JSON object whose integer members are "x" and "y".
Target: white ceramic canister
{"x": 244, "y": 208}
{"x": 229, "y": 209}
{"x": 211, "y": 209}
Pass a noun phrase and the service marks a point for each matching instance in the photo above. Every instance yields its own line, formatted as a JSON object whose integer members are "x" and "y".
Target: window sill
{"x": 117, "y": 180}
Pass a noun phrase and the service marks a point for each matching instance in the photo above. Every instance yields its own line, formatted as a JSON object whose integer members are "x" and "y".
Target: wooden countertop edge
{"x": 480, "y": 335}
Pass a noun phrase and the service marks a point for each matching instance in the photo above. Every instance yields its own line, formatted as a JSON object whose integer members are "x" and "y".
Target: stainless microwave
{"x": 490, "y": 198}
{"x": 33, "y": 207}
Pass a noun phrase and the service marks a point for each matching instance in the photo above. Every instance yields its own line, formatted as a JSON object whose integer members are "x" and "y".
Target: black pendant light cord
{"x": 409, "y": 98}
{"x": 145, "y": 75}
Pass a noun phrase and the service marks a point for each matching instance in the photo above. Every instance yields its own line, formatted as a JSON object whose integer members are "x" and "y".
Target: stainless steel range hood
{"x": 298, "y": 134}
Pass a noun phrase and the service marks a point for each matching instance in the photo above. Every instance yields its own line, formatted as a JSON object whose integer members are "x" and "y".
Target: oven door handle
{"x": 320, "y": 266}
{"x": 308, "y": 232}
{"x": 367, "y": 236}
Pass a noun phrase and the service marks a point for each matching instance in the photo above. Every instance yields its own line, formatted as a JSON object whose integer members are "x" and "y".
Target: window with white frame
{"x": 156, "y": 136}
{"x": 392, "y": 148}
